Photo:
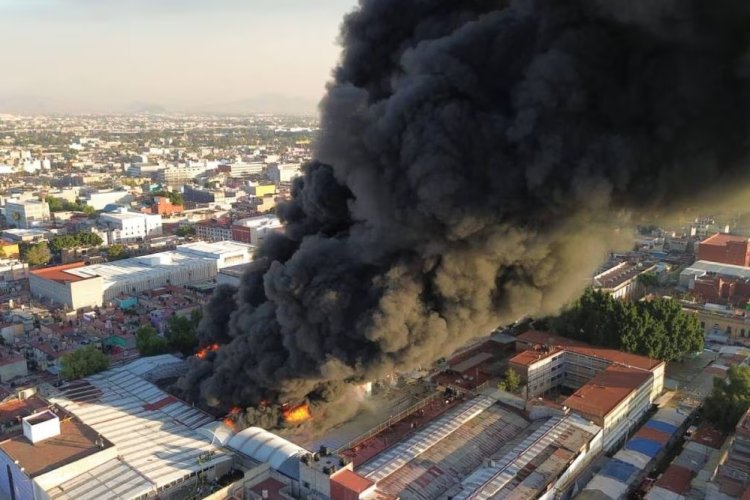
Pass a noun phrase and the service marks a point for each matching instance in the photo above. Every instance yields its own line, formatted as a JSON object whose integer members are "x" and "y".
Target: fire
{"x": 229, "y": 419}
{"x": 297, "y": 414}
{"x": 202, "y": 353}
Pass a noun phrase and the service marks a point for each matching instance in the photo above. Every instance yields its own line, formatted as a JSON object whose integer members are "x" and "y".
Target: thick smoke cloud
{"x": 475, "y": 161}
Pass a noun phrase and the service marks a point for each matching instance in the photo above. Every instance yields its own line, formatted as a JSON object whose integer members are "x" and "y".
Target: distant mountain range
{"x": 266, "y": 103}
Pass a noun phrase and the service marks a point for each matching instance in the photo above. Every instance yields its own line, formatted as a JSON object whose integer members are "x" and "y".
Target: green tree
{"x": 80, "y": 239}
{"x": 89, "y": 210}
{"x": 55, "y": 204}
{"x": 148, "y": 342}
{"x": 37, "y": 255}
{"x": 730, "y": 398}
{"x": 83, "y": 362}
{"x": 512, "y": 380}
{"x": 658, "y": 328}
{"x": 649, "y": 279}
{"x": 180, "y": 335}
{"x": 116, "y": 251}
{"x": 185, "y": 231}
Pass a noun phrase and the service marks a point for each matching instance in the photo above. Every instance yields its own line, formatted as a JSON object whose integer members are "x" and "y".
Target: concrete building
{"x": 177, "y": 175}
{"x": 613, "y": 389}
{"x": 253, "y": 230}
{"x": 124, "y": 226}
{"x": 100, "y": 199}
{"x": 12, "y": 364}
{"x": 621, "y": 281}
{"x": 198, "y": 195}
{"x": 112, "y": 435}
{"x": 27, "y": 214}
{"x": 26, "y": 235}
{"x": 725, "y": 249}
{"x": 283, "y": 173}
{"x": 213, "y": 230}
{"x": 163, "y": 206}
{"x": 79, "y": 285}
{"x": 721, "y": 323}
{"x": 243, "y": 169}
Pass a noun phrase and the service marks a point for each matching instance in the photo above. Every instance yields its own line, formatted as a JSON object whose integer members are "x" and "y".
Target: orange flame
{"x": 229, "y": 419}
{"x": 202, "y": 353}
{"x": 297, "y": 414}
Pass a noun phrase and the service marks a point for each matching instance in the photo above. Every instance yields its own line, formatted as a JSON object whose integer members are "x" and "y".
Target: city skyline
{"x": 188, "y": 56}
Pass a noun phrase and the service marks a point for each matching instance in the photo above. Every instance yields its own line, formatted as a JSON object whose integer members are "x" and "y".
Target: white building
{"x": 254, "y": 230}
{"x": 243, "y": 169}
{"x": 27, "y": 214}
{"x": 78, "y": 285}
{"x": 124, "y": 226}
{"x": 100, "y": 199}
{"x": 284, "y": 172}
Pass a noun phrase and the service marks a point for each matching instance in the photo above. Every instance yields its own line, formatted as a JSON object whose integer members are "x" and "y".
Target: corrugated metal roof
{"x": 611, "y": 488}
{"x": 619, "y": 470}
{"x": 389, "y": 462}
{"x": 158, "y": 442}
{"x": 634, "y": 458}
{"x": 645, "y": 446}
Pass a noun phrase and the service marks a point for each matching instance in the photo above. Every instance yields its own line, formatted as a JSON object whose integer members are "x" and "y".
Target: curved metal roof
{"x": 266, "y": 447}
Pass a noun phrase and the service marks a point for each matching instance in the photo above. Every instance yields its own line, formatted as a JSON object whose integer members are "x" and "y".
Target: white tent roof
{"x": 264, "y": 446}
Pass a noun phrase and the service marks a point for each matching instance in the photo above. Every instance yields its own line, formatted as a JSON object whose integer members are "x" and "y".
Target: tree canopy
{"x": 658, "y": 328}
{"x": 174, "y": 197}
{"x": 148, "y": 342}
{"x": 181, "y": 334}
{"x": 79, "y": 239}
{"x": 730, "y": 398}
{"x": 62, "y": 205}
{"x": 36, "y": 255}
{"x": 185, "y": 231}
{"x": 116, "y": 251}
{"x": 83, "y": 362}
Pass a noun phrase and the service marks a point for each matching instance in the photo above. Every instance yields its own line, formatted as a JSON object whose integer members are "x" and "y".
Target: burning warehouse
{"x": 475, "y": 164}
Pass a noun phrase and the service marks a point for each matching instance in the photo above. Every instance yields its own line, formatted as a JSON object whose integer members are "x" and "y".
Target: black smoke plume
{"x": 475, "y": 158}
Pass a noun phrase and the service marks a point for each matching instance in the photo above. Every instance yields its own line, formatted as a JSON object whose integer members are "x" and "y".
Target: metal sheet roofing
{"x": 664, "y": 427}
{"x": 619, "y": 470}
{"x": 634, "y": 458}
{"x": 611, "y": 488}
{"x": 389, "y": 462}
{"x": 154, "y": 432}
{"x": 645, "y": 446}
{"x": 488, "y": 482}
{"x": 266, "y": 447}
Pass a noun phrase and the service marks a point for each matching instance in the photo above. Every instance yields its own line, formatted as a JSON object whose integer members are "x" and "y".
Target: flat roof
{"x": 600, "y": 395}
{"x": 75, "y": 441}
{"x": 721, "y": 239}
{"x": 60, "y": 274}
{"x": 621, "y": 273}
{"x": 534, "y": 337}
{"x": 701, "y": 267}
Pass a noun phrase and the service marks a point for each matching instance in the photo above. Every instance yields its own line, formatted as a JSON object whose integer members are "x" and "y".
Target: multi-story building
{"x": 214, "y": 230}
{"x": 194, "y": 194}
{"x": 79, "y": 285}
{"x": 721, "y": 323}
{"x": 124, "y": 226}
{"x": 27, "y": 214}
{"x": 177, "y": 175}
{"x": 254, "y": 229}
{"x": 726, "y": 249}
{"x": 163, "y": 206}
{"x": 98, "y": 200}
{"x": 247, "y": 169}
{"x": 283, "y": 173}
{"x": 613, "y": 389}
{"x": 621, "y": 281}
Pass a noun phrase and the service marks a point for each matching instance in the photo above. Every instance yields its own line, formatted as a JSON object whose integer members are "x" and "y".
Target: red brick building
{"x": 722, "y": 289}
{"x": 726, "y": 249}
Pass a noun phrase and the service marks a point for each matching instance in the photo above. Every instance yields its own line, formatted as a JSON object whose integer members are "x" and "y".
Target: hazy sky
{"x": 105, "y": 54}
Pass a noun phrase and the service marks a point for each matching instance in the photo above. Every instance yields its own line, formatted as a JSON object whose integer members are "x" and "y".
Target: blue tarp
{"x": 645, "y": 446}
{"x": 661, "y": 426}
{"x": 618, "y": 470}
